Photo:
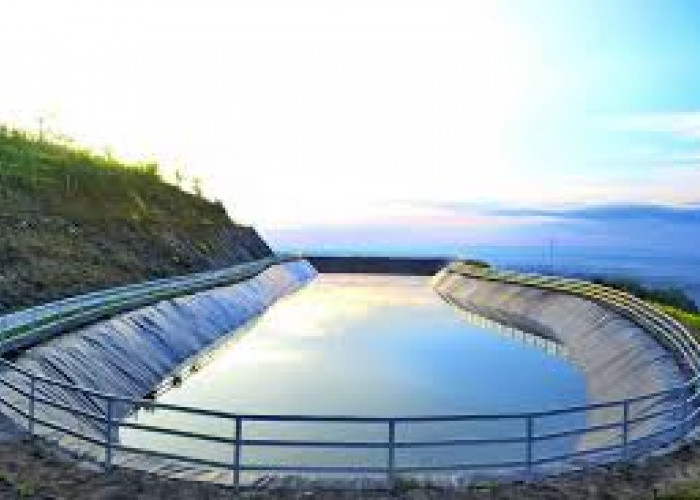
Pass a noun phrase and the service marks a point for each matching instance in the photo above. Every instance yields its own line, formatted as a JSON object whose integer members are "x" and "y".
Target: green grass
{"x": 57, "y": 179}
{"x": 669, "y": 296}
{"x": 683, "y": 491}
{"x": 73, "y": 221}
{"x": 689, "y": 319}
{"x": 672, "y": 301}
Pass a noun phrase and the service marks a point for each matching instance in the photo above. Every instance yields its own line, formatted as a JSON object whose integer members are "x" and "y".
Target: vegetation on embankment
{"x": 674, "y": 301}
{"x": 689, "y": 319}
{"x": 72, "y": 221}
{"x": 670, "y": 296}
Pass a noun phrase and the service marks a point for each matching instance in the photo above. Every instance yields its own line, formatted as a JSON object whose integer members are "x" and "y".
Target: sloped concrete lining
{"x": 29, "y": 327}
{"x": 619, "y": 359}
{"x": 132, "y": 353}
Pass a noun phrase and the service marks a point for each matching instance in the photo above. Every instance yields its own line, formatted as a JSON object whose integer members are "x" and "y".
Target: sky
{"x": 394, "y": 124}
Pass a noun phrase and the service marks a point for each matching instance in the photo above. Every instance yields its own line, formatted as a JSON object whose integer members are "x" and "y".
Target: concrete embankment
{"x": 619, "y": 359}
{"x": 417, "y": 266}
{"x": 129, "y": 355}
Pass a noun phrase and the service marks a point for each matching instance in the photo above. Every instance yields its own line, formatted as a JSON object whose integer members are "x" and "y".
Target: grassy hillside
{"x": 72, "y": 221}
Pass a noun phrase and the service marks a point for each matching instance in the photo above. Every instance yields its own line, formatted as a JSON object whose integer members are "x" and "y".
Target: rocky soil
{"x": 33, "y": 470}
{"x": 72, "y": 221}
{"x": 46, "y": 258}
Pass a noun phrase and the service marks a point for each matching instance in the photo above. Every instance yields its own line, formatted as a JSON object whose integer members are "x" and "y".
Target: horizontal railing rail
{"x": 24, "y": 328}
{"x": 530, "y": 444}
{"x": 663, "y": 327}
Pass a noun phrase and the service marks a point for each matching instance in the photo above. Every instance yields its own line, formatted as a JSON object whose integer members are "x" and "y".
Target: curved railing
{"x": 664, "y": 328}
{"x": 30, "y": 326}
{"x": 527, "y": 440}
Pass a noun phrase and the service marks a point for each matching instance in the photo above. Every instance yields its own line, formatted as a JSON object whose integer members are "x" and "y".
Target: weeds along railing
{"x": 240, "y": 448}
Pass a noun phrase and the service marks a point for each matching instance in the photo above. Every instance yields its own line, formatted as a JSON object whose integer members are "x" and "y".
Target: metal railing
{"x": 681, "y": 408}
{"x": 23, "y": 328}
{"x": 664, "y": 328}
{"x": 528, "y": 443}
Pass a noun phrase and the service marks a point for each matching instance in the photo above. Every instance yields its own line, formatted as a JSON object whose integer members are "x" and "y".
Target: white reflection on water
{"x": 374, "y": 346}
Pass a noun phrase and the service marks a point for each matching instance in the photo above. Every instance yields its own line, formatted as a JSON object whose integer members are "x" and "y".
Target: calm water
{"x": 372, "y": 346}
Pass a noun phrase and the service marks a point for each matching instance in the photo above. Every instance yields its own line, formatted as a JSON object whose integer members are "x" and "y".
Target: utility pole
{"x": 551, "y": 255}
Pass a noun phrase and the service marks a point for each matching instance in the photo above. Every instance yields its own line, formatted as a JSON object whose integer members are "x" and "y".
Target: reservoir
{"x": 374, "y": 346}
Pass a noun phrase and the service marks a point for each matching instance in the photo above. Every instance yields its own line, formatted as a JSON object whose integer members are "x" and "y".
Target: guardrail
{"x": 667, "y": 330}
{"x": 530, "y": 443}
{"x": 30, "y": 326}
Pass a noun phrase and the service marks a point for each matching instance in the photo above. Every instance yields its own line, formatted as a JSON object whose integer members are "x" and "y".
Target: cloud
{"x": 682, "y": 123}
{"x": 549, "y": 213}
{"x": 669, "y": 139}
{"x": 613, "y": 213}
{"x": 623, "y": 227}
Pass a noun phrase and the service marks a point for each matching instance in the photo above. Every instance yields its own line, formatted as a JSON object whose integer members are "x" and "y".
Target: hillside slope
{"x": 72, "y": 221}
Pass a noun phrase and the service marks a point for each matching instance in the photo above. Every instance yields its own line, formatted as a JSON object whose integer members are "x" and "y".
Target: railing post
{"x": 529, "y": 431}
{"x": 237, "y": 453}
{"x": 108, "y": 433}
{"x": 391, "y": 455}
{"x": 32, "y": 396}
{"x": 625, "y": 429}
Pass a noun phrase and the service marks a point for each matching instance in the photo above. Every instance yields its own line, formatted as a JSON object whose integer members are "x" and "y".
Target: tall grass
{"x": 72, "y": 220}
{"x": 41, "y": 176}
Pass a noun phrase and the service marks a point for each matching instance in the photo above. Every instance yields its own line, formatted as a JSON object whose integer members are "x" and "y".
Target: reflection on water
{"x": 372, "y": 346}
{"x": 548, "y": 346}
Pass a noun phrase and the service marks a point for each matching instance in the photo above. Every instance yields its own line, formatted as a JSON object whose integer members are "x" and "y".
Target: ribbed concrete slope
{"x": 619, "y": 359}
{"x": 132, "y": 353}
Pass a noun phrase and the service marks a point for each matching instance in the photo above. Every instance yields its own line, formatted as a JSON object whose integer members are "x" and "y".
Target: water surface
{"x": 372, "y": 346}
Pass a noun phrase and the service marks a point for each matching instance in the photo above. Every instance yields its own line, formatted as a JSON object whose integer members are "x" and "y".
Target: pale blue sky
{"x": 361, "y": 115}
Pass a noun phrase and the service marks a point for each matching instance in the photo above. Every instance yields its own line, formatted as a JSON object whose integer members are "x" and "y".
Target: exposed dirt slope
{"x": 72, "y": 221}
